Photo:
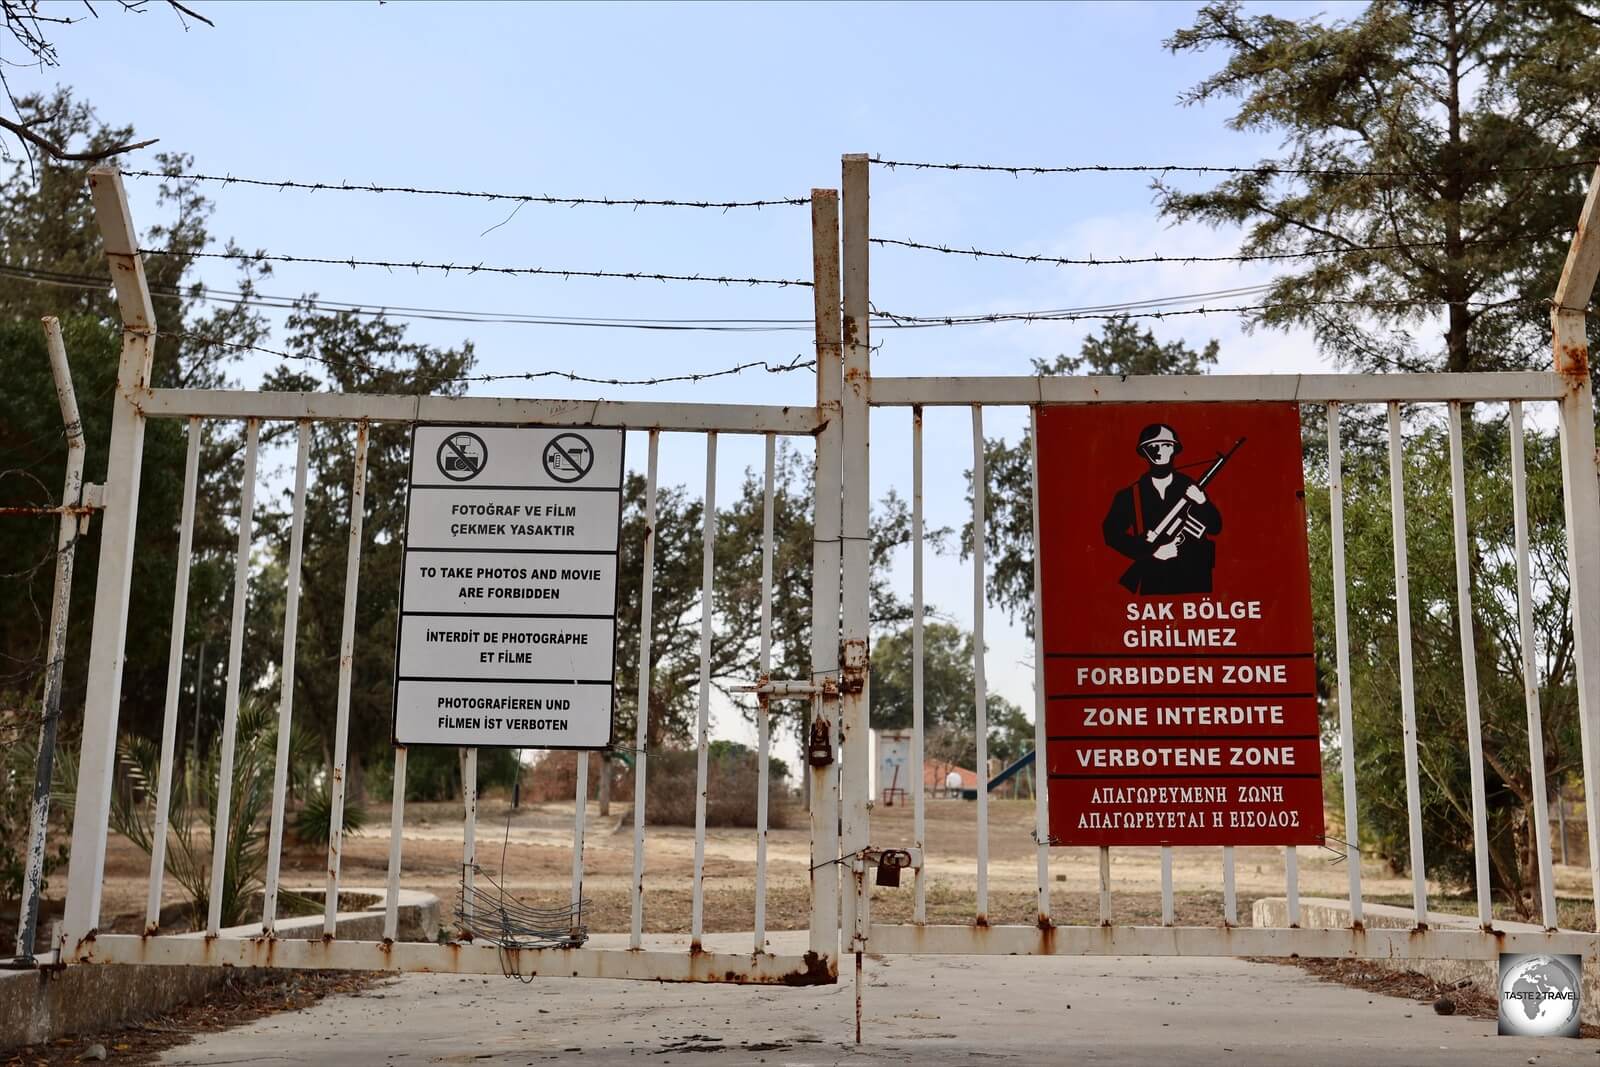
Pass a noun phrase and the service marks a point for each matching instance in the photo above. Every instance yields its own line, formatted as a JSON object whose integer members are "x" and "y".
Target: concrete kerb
{"x": 1324, "y": 912}
{"x": 43, "y": 1005}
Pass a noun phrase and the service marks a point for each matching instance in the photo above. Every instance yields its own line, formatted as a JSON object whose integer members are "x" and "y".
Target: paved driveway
{"x": 918, "y": 1009}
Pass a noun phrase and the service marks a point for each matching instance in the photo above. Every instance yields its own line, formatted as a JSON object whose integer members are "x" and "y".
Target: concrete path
{"x": 918, "y": 1009}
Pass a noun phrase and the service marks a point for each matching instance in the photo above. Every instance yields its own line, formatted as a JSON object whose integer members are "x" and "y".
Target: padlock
{"x": 819, "y": 752}
{"x": 890, "y": 863}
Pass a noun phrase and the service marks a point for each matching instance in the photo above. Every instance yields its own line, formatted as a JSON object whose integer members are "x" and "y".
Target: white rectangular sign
{"x": 509, "y": 593}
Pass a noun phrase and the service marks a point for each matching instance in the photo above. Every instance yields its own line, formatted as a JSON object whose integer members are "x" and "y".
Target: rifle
{"x": 1172, "y": 527}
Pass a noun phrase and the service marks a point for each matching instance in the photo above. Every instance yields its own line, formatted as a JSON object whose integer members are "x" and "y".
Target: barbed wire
{"x": 798, "y": 363}
{"x": 1238, "y": 257}
{"x": 290, "y": 303}
{"x": 1018, "y": 170}
{"x": 480, "y": 268}
{"x": 771, "y": 325}
{"x": 471, "y": 194}
{"x": 1070, "y": 315}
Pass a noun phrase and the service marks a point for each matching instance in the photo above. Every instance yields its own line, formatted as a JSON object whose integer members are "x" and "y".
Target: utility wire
{"x": 1152, "y": 308}
{"x": 521, "y": 198}
{"x": 480, "y": 268}
{"x": 288, "y": 303}
{"x": 1253, "y": 257}
{"x": 1260, "y": 168}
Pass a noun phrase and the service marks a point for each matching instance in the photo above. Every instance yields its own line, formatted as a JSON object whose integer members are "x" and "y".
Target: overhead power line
{"x": 1354, "y": 248}
{"x": 1268, "y": 169}
{"x": 1151, "y": 308}
{"x": 288, "y": 303}
{"x": 520, "y": 198}
{"x": 479, "y": 268}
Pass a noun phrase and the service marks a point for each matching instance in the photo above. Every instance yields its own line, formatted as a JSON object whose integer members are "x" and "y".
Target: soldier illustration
{"x": 1164, "y": 522}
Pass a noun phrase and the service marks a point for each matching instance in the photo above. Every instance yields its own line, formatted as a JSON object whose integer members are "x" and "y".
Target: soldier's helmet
{"x": 1159, "y": 433}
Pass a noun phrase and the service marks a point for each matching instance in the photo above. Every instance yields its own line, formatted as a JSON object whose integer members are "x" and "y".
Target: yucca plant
{"x": 312, "y": 820}
{"x": 191, "y": 826}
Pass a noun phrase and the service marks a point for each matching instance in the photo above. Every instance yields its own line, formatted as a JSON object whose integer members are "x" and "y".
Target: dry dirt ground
{"x": 530, "y": 855}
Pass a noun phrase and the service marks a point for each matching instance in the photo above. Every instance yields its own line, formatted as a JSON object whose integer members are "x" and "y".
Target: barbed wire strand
{"x": 1019, "y": 170}
{"x": 1239, "y": 257}
{"x": 798, "y": 363}
{"x": 921, "y": 321}
{"x": 480, "y": 268}
{"x": 471, "y": 194}
{"x": 289, "y": 303}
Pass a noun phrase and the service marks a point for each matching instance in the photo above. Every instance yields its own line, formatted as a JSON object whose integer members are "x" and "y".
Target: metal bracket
{"x": 94, "y": 499}
{"x": 781, "y": 689}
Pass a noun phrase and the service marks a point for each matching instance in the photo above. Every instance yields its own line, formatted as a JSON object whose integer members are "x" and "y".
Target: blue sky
{"x": 696, "y": 101}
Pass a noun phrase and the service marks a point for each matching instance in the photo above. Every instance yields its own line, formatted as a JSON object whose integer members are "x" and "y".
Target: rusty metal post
{"x": 822, "y": 768}
{"x": 68, "y": 529}
{"x": 854, "y": 748}
{"x": 114, "y": 577}
{"x": 1581, "y": 495}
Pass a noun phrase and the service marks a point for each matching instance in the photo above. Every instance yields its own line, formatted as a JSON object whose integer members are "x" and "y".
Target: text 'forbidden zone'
{"x": 509, "y": 595}
{"x": 1176, "y": 615}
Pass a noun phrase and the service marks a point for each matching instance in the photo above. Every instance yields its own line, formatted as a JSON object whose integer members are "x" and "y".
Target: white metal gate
{"x": 80, "y": 940}
{"x": 841, "y": 829}
{"x": 1566, "y": 388}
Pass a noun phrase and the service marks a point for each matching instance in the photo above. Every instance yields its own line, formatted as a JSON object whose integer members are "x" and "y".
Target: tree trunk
{"x": 355, "y": 779}
{"x": 605, "y": 785}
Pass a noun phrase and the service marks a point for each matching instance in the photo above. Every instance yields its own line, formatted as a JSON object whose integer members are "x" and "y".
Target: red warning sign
{"x": 1176, "y": 615}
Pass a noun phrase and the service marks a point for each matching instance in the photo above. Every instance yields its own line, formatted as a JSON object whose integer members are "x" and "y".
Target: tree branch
{"x": 55, "y": 151}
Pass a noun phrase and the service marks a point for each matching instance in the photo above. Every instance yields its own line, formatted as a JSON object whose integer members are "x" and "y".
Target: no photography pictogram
{"x": 568, "y": 457}
{"x": 462, "y": 456}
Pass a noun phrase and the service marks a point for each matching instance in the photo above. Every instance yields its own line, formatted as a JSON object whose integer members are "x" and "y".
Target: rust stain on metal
{"x": 814, "y": 970}
{"x": 65, "y": 509}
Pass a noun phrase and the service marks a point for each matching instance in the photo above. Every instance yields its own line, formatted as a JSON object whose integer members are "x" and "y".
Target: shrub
{"x": 312, "y": 820}
{"x": 732, "y": 775}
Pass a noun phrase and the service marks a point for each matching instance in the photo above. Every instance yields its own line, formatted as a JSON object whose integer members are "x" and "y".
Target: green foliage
{"x": 358, "y": 354}
{"x": 311, "y": 822}
{"x": 46, "y": 223}
{"x": 19, "y": 732}
{"x": 733, "y": 750}
{"x": 1120, "y": 350}
{"x": 948, "y": 697}
{"x": 192, "y": 817}
{"x": 1431, "y": 126}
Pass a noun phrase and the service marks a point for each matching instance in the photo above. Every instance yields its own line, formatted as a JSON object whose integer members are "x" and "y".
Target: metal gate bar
{"x": 1530, "y": 671}
{"x": 230, "y": 714}
{"x": 169, "y": 720}
{"x": 347, "y": 657}
{"x": 980, "y": 681}
{"x": 1408, "y": 686}
{"x": 642, "y": 713}
{"x": 708, "y": 569}
{"x": 1341, "y": 637}
{"x": 1469, "y": 659}
{"x": 291, "y": 620}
